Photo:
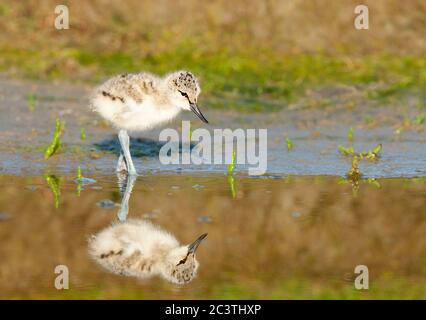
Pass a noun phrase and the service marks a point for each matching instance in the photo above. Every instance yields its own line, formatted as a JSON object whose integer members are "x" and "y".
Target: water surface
{"x": 268, "y": 237}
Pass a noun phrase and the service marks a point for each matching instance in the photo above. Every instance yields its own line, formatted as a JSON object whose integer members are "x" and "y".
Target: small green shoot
{"x": 231, "y": 166}
{"x": 82, "y": 134}
{"x": 371, "y": 154}
{"x": 231, "y": 181}
{"x": 354, "y": 173}
{"x": 350, "y": 135}
{"x": 31, "y": 101}
{"x": 79, "y": 175}
{"x": 377, "y": 149}
{"x": 290, "y": 144}
{"x": 56, "y": 141}
{"x": 79, "y": 179}
{"x": 54, "y": 183}
{"x": 346, "y": 151}
{"x": 190, "y": 131}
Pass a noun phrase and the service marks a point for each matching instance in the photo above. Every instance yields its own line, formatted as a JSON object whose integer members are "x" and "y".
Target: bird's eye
{"x": 182, "y": 261}
{"x": 184, "y": 94}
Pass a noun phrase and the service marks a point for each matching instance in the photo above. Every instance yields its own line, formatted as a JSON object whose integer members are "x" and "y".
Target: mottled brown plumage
{"x": 140, "y": 249}
{"x": 141, "y": 101}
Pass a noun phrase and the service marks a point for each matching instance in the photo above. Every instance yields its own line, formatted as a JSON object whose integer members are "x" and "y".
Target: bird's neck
{"x": 163, "y": 98}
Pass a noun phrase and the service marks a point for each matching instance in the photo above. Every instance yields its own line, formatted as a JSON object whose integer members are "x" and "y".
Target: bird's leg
{"x": 125, "y": 144}
{"x": 126, "y": 185}
{"x": 121, "y": 164}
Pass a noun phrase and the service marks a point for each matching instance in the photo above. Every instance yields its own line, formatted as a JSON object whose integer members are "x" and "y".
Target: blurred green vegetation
{"x": 260, "y": 57}
{"x": 250, "y": 81}
{"x": 294, "y": 289}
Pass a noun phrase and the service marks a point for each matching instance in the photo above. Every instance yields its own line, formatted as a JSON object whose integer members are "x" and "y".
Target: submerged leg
{"x": 121, "y": 164}
{"x": 125, "y": 183}
{"x": 125, "y": 144}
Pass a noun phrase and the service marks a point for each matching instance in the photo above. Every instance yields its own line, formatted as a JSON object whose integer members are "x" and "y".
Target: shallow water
{"x": 316, "y": 132}
{"x": 297, "y": 232}
{"x": 268, "y": 237}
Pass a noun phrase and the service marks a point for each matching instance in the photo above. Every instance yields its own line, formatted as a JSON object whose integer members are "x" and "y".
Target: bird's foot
{"x": 121, "y": 164}
{"x": 125, "y": 172}
{"x": 131, "y": 170}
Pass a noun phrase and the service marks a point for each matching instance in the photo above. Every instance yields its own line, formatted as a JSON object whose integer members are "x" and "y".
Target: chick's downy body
{"x": 132, "y": 102}
{"x": 141, "y": 101}
{"x": 140, "y": 249}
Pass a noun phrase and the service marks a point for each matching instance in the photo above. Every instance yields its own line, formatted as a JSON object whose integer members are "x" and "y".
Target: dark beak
{"x": 193, "y": 246}
{"x": 197, "y": 111}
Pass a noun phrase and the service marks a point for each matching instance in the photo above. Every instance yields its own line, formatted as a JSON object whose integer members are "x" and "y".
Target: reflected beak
{"x": 193, "y": 246}
{"x": 197, "y": 111}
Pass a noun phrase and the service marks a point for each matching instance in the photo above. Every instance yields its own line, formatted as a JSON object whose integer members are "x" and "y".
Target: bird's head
{"x": 184, "y": 91}
{"x": 181, "y": 264}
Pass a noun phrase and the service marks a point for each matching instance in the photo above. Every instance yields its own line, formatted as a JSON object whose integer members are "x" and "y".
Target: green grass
{"x": 354, "y": 173}
{"x": 54, "y": 183}
{"x": 79, "y": 174}
{"x": 83, "y": 134}
{"x": 346, "y": 151}
{"x": 350, "y": 135}
{"x": 79, "y": 180}
{"x": 382, "y": 288}
{"x": 290, "y": 144}
{"x": 369, "y": 154}
{"x": 247, "y": 80}
{"x": 55, "y": 144}
{"x": 190, "y": 131}
{"x": 232, "y": 187}
{"x": 231, "y": 165}
{"x": 31, "y": 101}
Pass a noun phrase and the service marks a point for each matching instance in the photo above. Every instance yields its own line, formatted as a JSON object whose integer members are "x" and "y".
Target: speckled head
{"x": 185, "y": 91}
{"x": 183, "y": 265}
{"x": 187, "y": 83}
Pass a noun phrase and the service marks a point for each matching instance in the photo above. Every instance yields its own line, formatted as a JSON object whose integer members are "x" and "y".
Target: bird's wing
{"x": 122, "y": 88}
{"x": 147, "y": 83}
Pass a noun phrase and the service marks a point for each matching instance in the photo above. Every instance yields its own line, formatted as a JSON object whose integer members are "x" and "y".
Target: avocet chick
{"x": 140, "y": 249}
{"x": 137, "y": 102}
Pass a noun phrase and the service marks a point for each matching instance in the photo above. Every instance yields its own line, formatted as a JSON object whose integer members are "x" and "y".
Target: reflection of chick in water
{"x": 140, "y": 249}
